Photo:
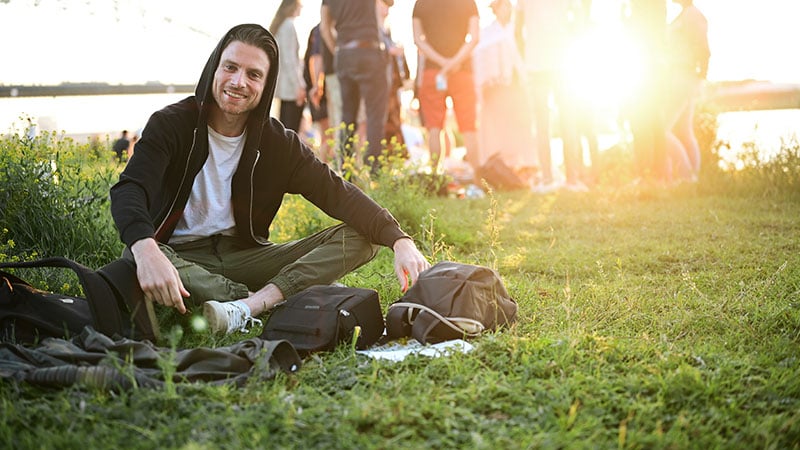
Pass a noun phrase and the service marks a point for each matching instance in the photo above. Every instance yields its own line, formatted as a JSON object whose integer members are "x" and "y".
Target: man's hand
{"x": 158, "y": 278}
{"x": 408, "y": 262}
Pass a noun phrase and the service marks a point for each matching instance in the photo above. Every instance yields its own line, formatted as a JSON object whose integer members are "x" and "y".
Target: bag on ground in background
{"x": 113, "y": 304}
{"x": 320, "y": 317}
{"x": 499, "y": 175}
{"x": 451, "y": 301}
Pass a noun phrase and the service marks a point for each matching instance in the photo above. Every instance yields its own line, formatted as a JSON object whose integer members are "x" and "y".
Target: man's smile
{"x": 234, "y": 94}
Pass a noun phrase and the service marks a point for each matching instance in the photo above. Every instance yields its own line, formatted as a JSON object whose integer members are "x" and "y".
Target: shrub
{"x": 55, "y": 200}
{"x": 777, "y": 174}
{"x": 706, "y": 126}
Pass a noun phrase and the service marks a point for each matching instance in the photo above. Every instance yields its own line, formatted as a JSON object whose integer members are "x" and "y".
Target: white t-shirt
{"x": 209, "y": 210}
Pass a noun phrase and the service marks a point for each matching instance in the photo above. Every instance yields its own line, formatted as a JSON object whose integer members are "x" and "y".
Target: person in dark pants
{"x": 360, "y": 65}
{"x": 121, "y": 145}
{"x": 316, "y": 80}
{"x": 195, "y": 202}
{"x": 397, "y": 75}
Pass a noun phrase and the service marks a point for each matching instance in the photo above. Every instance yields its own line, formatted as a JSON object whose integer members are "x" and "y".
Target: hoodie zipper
{"x": 183, "y": 180}
{"x": 252, "y": 180}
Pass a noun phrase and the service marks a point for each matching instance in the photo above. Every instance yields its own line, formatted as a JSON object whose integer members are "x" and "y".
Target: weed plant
{"x": 648, "y": 318}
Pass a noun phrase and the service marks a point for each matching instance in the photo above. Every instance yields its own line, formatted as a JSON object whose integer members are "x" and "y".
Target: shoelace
{"x": 238, "y": 319}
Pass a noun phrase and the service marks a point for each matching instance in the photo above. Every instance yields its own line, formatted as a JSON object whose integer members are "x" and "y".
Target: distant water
{"x": 81, "y": 116}
{"x": 84, "y": 116}
{"x": 768, "y": 131}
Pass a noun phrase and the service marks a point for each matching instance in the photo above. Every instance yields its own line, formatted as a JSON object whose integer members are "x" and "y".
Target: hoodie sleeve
{"x": 339, "y": 198}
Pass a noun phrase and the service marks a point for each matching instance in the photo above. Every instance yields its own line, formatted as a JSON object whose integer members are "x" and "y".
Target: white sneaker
{"x": 227, "y": 317}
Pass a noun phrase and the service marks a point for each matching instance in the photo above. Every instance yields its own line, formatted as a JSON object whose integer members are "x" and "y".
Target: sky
{"x": 136, "y": 41}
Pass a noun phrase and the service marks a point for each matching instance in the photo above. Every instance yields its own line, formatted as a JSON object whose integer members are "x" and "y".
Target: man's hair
{"x": 251, "y": 35}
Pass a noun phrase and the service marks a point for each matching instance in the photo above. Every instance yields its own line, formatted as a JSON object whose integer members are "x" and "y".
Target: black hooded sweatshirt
{"x": 153, "y": 189}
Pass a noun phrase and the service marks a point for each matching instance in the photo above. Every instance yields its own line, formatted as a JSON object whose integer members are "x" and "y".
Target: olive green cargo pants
{"x": 223, "y": 268}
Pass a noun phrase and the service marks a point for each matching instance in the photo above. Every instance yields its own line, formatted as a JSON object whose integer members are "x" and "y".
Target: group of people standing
{"x": 505, "y": 82}
{"x": 350, "y": 74}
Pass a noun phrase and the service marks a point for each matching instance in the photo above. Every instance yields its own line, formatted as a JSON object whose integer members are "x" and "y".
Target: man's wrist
{"x": 143, "y": 245}
{"x": 399, "y": 241}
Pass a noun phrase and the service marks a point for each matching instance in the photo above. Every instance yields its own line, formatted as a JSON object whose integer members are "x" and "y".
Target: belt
{"x": 358, "y": 43}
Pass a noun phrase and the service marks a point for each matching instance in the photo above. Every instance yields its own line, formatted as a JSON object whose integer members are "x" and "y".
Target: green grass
{"x": 648, "y": 318}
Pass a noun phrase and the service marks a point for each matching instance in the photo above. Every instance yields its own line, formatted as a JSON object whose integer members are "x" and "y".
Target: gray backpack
{"x": 451, "y": 301}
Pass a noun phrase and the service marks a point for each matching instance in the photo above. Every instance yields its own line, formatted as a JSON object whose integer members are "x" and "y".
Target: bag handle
{"x": 462, "y": 325}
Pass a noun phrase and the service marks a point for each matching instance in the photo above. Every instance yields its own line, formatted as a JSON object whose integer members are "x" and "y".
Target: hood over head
{"x": 252, "y": 34}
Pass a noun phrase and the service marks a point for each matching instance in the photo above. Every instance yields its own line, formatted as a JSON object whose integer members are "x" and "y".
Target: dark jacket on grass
{"x": 154, "y": 188}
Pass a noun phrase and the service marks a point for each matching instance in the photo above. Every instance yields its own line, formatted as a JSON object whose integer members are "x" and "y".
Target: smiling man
{"x": 195, "y": 202}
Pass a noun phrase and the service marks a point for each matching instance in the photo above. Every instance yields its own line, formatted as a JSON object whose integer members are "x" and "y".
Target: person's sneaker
{"x": 227, "y": 317}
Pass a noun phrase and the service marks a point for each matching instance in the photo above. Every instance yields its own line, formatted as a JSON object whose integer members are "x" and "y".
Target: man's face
{"x": 240, "y": 78}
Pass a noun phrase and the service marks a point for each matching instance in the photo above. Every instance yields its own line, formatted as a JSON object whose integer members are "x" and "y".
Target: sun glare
{"x": 603, "y": 68}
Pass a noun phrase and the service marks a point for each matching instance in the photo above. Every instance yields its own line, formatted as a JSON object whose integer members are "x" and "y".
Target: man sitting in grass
{"x": 195, "y": 202}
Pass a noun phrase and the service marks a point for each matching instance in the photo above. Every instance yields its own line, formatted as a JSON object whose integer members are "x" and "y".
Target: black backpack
{"x": 114, "y": 304}
{"x": 320, "y": 317}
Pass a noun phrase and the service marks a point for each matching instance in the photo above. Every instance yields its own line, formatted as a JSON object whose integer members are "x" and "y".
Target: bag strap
{"x": 106, "y": 316}
{"x": 462, "y": 325}
{"x": 120, "y": 275}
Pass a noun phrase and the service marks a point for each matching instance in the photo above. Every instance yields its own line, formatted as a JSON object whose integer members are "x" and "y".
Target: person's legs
{"x": 435, "y": 147}
{"x": 646, "y": 113}
{"x": 351, "y": 99}
{"x": 568, "y": 120}
{"x": 573, "y": 163}
{"x": 283, "y": 270}
{"x": 220, "y": 268}
{"x": 650, "y": 143}
{"x": 325, "y": 141}
{"x": 392, "y": 130}
{"x": 678, "y": 158}
{"x": 587, "y": 129}
{"x": 197, "y": 267}
{"x": 321, "y": 258}
{"x": 471, "y": 144}
{"x": 432, "y": 108}
{"x": 462, "y": 90}
{"x": 682, "y": 146}
{"x": 375, "y": 90}
{"x": 540, "y": 98}
{"x": 290, "y": 114}
{"x": 333, "y": 96}
{"x": 684, "y": 131}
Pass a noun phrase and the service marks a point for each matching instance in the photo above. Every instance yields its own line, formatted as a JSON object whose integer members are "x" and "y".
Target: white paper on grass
{"x": 398, "y": 352}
